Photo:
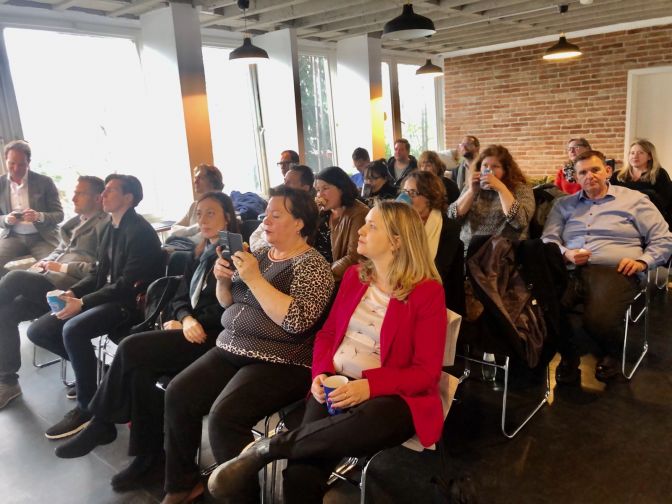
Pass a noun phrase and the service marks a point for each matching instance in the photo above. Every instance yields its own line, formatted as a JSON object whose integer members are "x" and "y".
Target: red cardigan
{"x": 412, "y": 340}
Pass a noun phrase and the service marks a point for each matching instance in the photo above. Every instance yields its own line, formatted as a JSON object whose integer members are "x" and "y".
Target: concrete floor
{"x": 593, "y": 444}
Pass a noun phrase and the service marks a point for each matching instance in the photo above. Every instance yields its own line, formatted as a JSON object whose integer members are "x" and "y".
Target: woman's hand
{"x": 351, "y": 394}
{"x": 247, "y": 266}
{"x": 490, "y": 181}
{"x": 475, "y": 182}
{"x": 193, "y": 330}
{"x": 317, "y": 389}
{"x": 172, "y": 325}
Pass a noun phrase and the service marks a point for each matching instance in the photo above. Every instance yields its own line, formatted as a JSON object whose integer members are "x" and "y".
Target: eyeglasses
{"x": 576, "y": 147}
{"x": 285, "y": 163}
{"x": 466, "y": 144}
{"x": 372, "y": 177}
{"x": 411, "y": 193}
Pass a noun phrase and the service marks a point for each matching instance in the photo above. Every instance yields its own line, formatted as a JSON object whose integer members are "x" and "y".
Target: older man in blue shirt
{"x": 609, "y": 236}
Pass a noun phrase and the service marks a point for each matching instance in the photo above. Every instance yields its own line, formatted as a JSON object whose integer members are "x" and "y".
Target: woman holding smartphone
{"x": 128, "y": 392}
{"x": 261, "y": 361}
{"x": 495, "y": 200}
{"x": 386, "y": 332}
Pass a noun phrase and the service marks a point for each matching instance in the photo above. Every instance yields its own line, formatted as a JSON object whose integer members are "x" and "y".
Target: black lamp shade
{"x": 408, "y": 26}
{"x": 429, "y": 69}
{"x": 248, "y": 53}
{"x": 562, "y": 50}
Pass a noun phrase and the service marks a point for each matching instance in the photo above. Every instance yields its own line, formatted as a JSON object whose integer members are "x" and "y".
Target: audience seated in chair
{"x": 386, "y": 332}
{"x": 565, "y": 178}
{"x": 341, "y": 215}
{"x": 609, "y": 235}
{"x": 430, "y": 161}
{"x": 299, "y": 177}
{"x": 261, "y": 361}
{"x": 30, "y": 208}
{"x": 130, "y": 253}
{"x": 468, "y": 149}
{"x": 402, "y": 163}
{"x": 643, "y": 173}
{"x": 360, "y": 160}
{"x": 207, "y": 178}
{"x": 128, "y": 392}
{"x": 23, "y": 293}
{"x": 495, "y": 200}
{"x": 427, "y": 196}
{"x": 378, "y": 185}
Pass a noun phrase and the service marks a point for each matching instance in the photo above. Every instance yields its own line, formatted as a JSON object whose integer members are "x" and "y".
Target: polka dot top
{"x": 248, "y": 331}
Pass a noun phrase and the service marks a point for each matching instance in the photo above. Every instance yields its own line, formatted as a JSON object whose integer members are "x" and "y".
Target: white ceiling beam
{"x": 136, "y": 5}
{"x": 62, "y": 5}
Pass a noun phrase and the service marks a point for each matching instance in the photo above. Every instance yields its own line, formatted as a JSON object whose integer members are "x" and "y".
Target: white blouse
{"x": 360, "y": 348}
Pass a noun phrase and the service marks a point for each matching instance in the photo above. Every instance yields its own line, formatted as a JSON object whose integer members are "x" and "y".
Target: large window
{"x": 387, "y": 109}
{"x": 82, "y": 105}
{"x": 417, "y": 98}
{"x": 231, "y": 107}
{"x": 316, "y": 111}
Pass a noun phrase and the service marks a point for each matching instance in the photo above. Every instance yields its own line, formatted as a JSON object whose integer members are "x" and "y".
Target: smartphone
{"x": 230, "y": 244}
{"x": 18, "y": 214}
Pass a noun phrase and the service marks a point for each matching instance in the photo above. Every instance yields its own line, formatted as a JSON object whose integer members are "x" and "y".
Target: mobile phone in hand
{"x": 230, "y": 243}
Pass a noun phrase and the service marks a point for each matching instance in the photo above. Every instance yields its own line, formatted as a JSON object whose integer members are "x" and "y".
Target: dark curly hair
{"x": 301, "y": 205}
{"x": 513, "y": 176}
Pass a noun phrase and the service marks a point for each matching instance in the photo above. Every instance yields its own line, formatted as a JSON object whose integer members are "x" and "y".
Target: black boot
{"x": 139, "y": 472}
{"x": 229, "y": 482}
{"x": 95, "y": 434}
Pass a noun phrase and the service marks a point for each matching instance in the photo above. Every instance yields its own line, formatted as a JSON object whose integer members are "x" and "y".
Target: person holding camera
{"x": 262, "y": 358}
{"x": 128, "y": 392}
{"x": 30, "y": 209}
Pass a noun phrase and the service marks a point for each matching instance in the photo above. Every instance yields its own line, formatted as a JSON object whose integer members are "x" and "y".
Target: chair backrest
{"x": 248, "y": 227}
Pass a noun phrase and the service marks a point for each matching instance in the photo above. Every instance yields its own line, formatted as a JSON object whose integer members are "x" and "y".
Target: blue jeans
{"x": 71, "y": 339}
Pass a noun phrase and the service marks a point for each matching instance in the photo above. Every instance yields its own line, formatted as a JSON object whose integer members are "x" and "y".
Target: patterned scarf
{"x": 569, "y": 172}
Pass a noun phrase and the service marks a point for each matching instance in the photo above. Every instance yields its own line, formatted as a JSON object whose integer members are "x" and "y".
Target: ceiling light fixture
{"x": 562, "y": 49}
{"x": 408, "y": 25}
{"x": 247, "y": 53}
{"x": 429, "y": 69}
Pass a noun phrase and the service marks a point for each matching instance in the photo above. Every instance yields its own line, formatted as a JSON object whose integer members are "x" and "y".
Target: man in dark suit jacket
{"x": 23, "y": 293}
{"x": 130, "y": 254}
{"x": 30, "y": 208}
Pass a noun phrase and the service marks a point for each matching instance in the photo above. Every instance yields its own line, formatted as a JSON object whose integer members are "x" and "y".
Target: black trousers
{"x": 71, "y": 339}
{"x": 128, "y": 393}
{"x": 314, "y": 449}
{"x": 22, "y": 297}
{"x": 605, "y": 294}
{"x": 237, "y": 392}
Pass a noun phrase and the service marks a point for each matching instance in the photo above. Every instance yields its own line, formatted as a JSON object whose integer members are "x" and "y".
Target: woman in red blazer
{"x": 386, "y": 332}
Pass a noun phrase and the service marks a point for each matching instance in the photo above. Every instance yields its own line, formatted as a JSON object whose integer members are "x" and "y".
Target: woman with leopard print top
{"x": 261, "y": 361}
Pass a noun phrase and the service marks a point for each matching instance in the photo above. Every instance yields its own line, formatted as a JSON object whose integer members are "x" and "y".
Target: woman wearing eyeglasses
{"x": 377, "y": 178}
{"x": 496, "y": 200}
{"x": 427, "y": 195}
{"x": 565, "y": 179}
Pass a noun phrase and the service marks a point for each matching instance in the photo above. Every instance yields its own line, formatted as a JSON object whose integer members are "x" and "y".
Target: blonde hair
{"x": 624, "y": 173}
{"x": 412, "y": 262}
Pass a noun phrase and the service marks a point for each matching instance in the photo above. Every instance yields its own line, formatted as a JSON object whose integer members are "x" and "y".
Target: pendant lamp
{"x": 562, "y": 50}
{"x": 429, "y": 69}
{"x": 247, "y": 53}
{"x": 408, "y": 25}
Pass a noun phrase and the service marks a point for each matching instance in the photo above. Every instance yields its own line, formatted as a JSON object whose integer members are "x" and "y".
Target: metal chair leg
{"x": 64, "y": 374}
{"x": 644, "y": 312}
{"x": 362, "y": 484}
{"x": 505, "y": 367}
{"x": 41, "y": 365}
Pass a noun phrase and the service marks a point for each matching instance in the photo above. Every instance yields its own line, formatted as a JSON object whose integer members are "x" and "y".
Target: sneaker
{"x": 96, "y": 433}
{"x": 8, "y": 392}
{"x": 71, "y": 392}
{"x": 73, "y": 422}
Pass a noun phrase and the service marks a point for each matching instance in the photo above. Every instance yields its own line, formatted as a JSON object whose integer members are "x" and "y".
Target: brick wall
{"x": 533, "y": 107}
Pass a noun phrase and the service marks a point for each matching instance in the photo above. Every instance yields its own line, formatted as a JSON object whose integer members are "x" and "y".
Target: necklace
{"x": 300, "y": 249}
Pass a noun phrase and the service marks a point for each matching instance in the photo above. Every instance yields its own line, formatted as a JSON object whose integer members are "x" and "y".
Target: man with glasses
{"x": 23, "y": 293}
{"x": 468, "y": 148}
{"x": 288, "y": 158}
{"x": 30, "y": 208}
{"x": 565, "y": 179}
{"x": 360, "y": 160}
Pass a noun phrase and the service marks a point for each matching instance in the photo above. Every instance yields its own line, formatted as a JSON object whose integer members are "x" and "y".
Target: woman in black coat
{"x": 128, "y": 393}
{"x": 427, "y": 195}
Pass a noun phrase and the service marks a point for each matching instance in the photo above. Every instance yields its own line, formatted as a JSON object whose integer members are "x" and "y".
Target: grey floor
{"x": 593, "y": 444}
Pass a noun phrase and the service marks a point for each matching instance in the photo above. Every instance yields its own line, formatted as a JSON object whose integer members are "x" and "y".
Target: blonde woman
{"x": 643, "y": 173}
{"x": 386, "y": 333}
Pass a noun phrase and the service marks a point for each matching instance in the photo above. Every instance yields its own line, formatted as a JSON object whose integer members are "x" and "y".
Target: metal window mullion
{"x": 259, "y": 137}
